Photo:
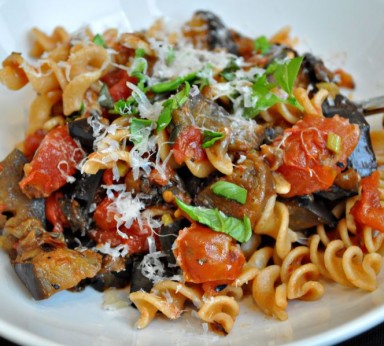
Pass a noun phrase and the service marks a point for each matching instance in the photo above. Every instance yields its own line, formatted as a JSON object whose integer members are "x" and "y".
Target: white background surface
{"x": 346, "y": 34}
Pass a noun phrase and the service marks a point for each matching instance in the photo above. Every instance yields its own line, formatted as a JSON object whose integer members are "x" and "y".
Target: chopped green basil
{"x": 172, "y": 104}
{"x": 262, "y": 45}
{"x": 230, "y": 191}
{"x": 216, "y": 220}
{"x": 229, "y": 71}
{"x": 210, "y": 138}
{"x": 284, "y": 74}
{"x": 139, "y": 129}
{"x": 172, "y": 84}
{"x": 99, "y": 40}
{"x": 139, "y": 53}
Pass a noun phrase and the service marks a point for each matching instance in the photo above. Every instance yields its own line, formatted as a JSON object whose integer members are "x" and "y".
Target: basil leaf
{"x": 230, "y": 191}
{"x": 105, "y": 99}
{"x": 286, "y": 73}
{"x": 99, "y": 40}
{"x": 262, "y": 45}
{"x": 172, "y": 104}
{"x": 139, "y": 129}
{"x": 165, "y": 118}
{"x": 218, "y": 221}
{"x": 229, "y": 71}
{"x": 139, "y": 52}
{"x": 210, "y": 138}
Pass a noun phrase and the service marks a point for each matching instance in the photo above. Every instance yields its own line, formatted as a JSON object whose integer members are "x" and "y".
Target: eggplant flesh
{"x": 46, "y": 266}
{"x": 307, "y": 211}
{"x": 218, "y": 35}
{"x": 363, "y": 159}
{"x": 18, "y": 207}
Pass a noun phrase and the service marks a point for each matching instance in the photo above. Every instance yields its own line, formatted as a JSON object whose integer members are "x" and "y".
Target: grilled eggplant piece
{"x": 241, "y": 134}
{"x": 254, "y": 175}
{"x": 83, "y": 132}
{"x": 18, "y": 208}
{"x": 114, "y": 273}
{"x": 363, "y": 158}
{"x": 207, "y": 30}
{"x": 168, "y": 235}
{"x": 313, "y": 71}
{"x": 306, "y": 212}
{"x": 138, "y": 280}
{"x": 46, "y": 266}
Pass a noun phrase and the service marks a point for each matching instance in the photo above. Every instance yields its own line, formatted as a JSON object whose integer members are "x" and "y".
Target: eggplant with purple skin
{"x": 17, "y": 209}
{"x": 207, "y": 29}
{"x": 115, "y": 272}
{"x": 307, "y": 211}
{"x": 363, "y": 159}
{"x": 83, "y": 132}
{"x": 46, "y": 266}
{"x": 255, "y": 176}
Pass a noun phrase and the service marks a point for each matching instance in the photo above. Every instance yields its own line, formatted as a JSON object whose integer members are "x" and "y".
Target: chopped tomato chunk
{"x": 117, "y": 84}
{"x": 205, "y": 255}
{"x": 53, "y": 212}
{"x": 32, "y": 142}
{"x": 188, "y": 146}
{"x": 54, "y": 161}
{"x": 161, "y": 178}
{"x": 368, "y": 211}
{"x": 308, "y": 165}
{"x": 136, "y": 236}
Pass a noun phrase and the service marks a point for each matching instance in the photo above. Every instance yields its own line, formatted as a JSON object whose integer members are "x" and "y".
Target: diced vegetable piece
{"x": 54, "y": 162}
{"x": 205, "y": 255}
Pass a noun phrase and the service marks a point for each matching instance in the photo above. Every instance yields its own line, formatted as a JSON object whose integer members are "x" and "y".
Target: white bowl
{"x": 346, "y": 34}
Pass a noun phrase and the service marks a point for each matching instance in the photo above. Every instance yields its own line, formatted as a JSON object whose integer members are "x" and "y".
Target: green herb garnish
{"x": 262, "y": 45}
{"x": 284, "y": 75}
{"x": 230, "y": 191}
{"x": 172, "y": 84}
{"x": 172, "y": 104}
{"x": 139, "y": 129}
{"x": 333, "y": 142}
{"x": 99, "y": 40}
{"x": 210, "y": 138}
{"x": 215, "y": 219}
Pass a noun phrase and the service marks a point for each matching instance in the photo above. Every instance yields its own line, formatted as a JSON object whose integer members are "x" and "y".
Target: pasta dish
{"x": 193, "y": 165}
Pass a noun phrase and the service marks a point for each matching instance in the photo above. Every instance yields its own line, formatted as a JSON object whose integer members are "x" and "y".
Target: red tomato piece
{"x": 161, "y": 178}
{"x": 117, "y": 84}
{"x": 104, "y": 218}
{"x": 55, "y": 160}
{"x": 188, "y": 145}
{"x": 32, "y": 142}
{"x": 368, "y": 211}
{"x": 53, "y": 212}
{"x": 307, "y": 162}
{"x": 107, "y": 230}
{"x": 108, "y": 177}
{"x": 205, "y": 255}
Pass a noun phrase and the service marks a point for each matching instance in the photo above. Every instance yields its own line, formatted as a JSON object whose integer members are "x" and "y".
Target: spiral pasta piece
{"x": 274, "y": 222}
{"x": 269, "y": 294}
{"x": 220, "y": 312}
{"x": 301, "y": 276}
{"x": 167, "y": 297}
